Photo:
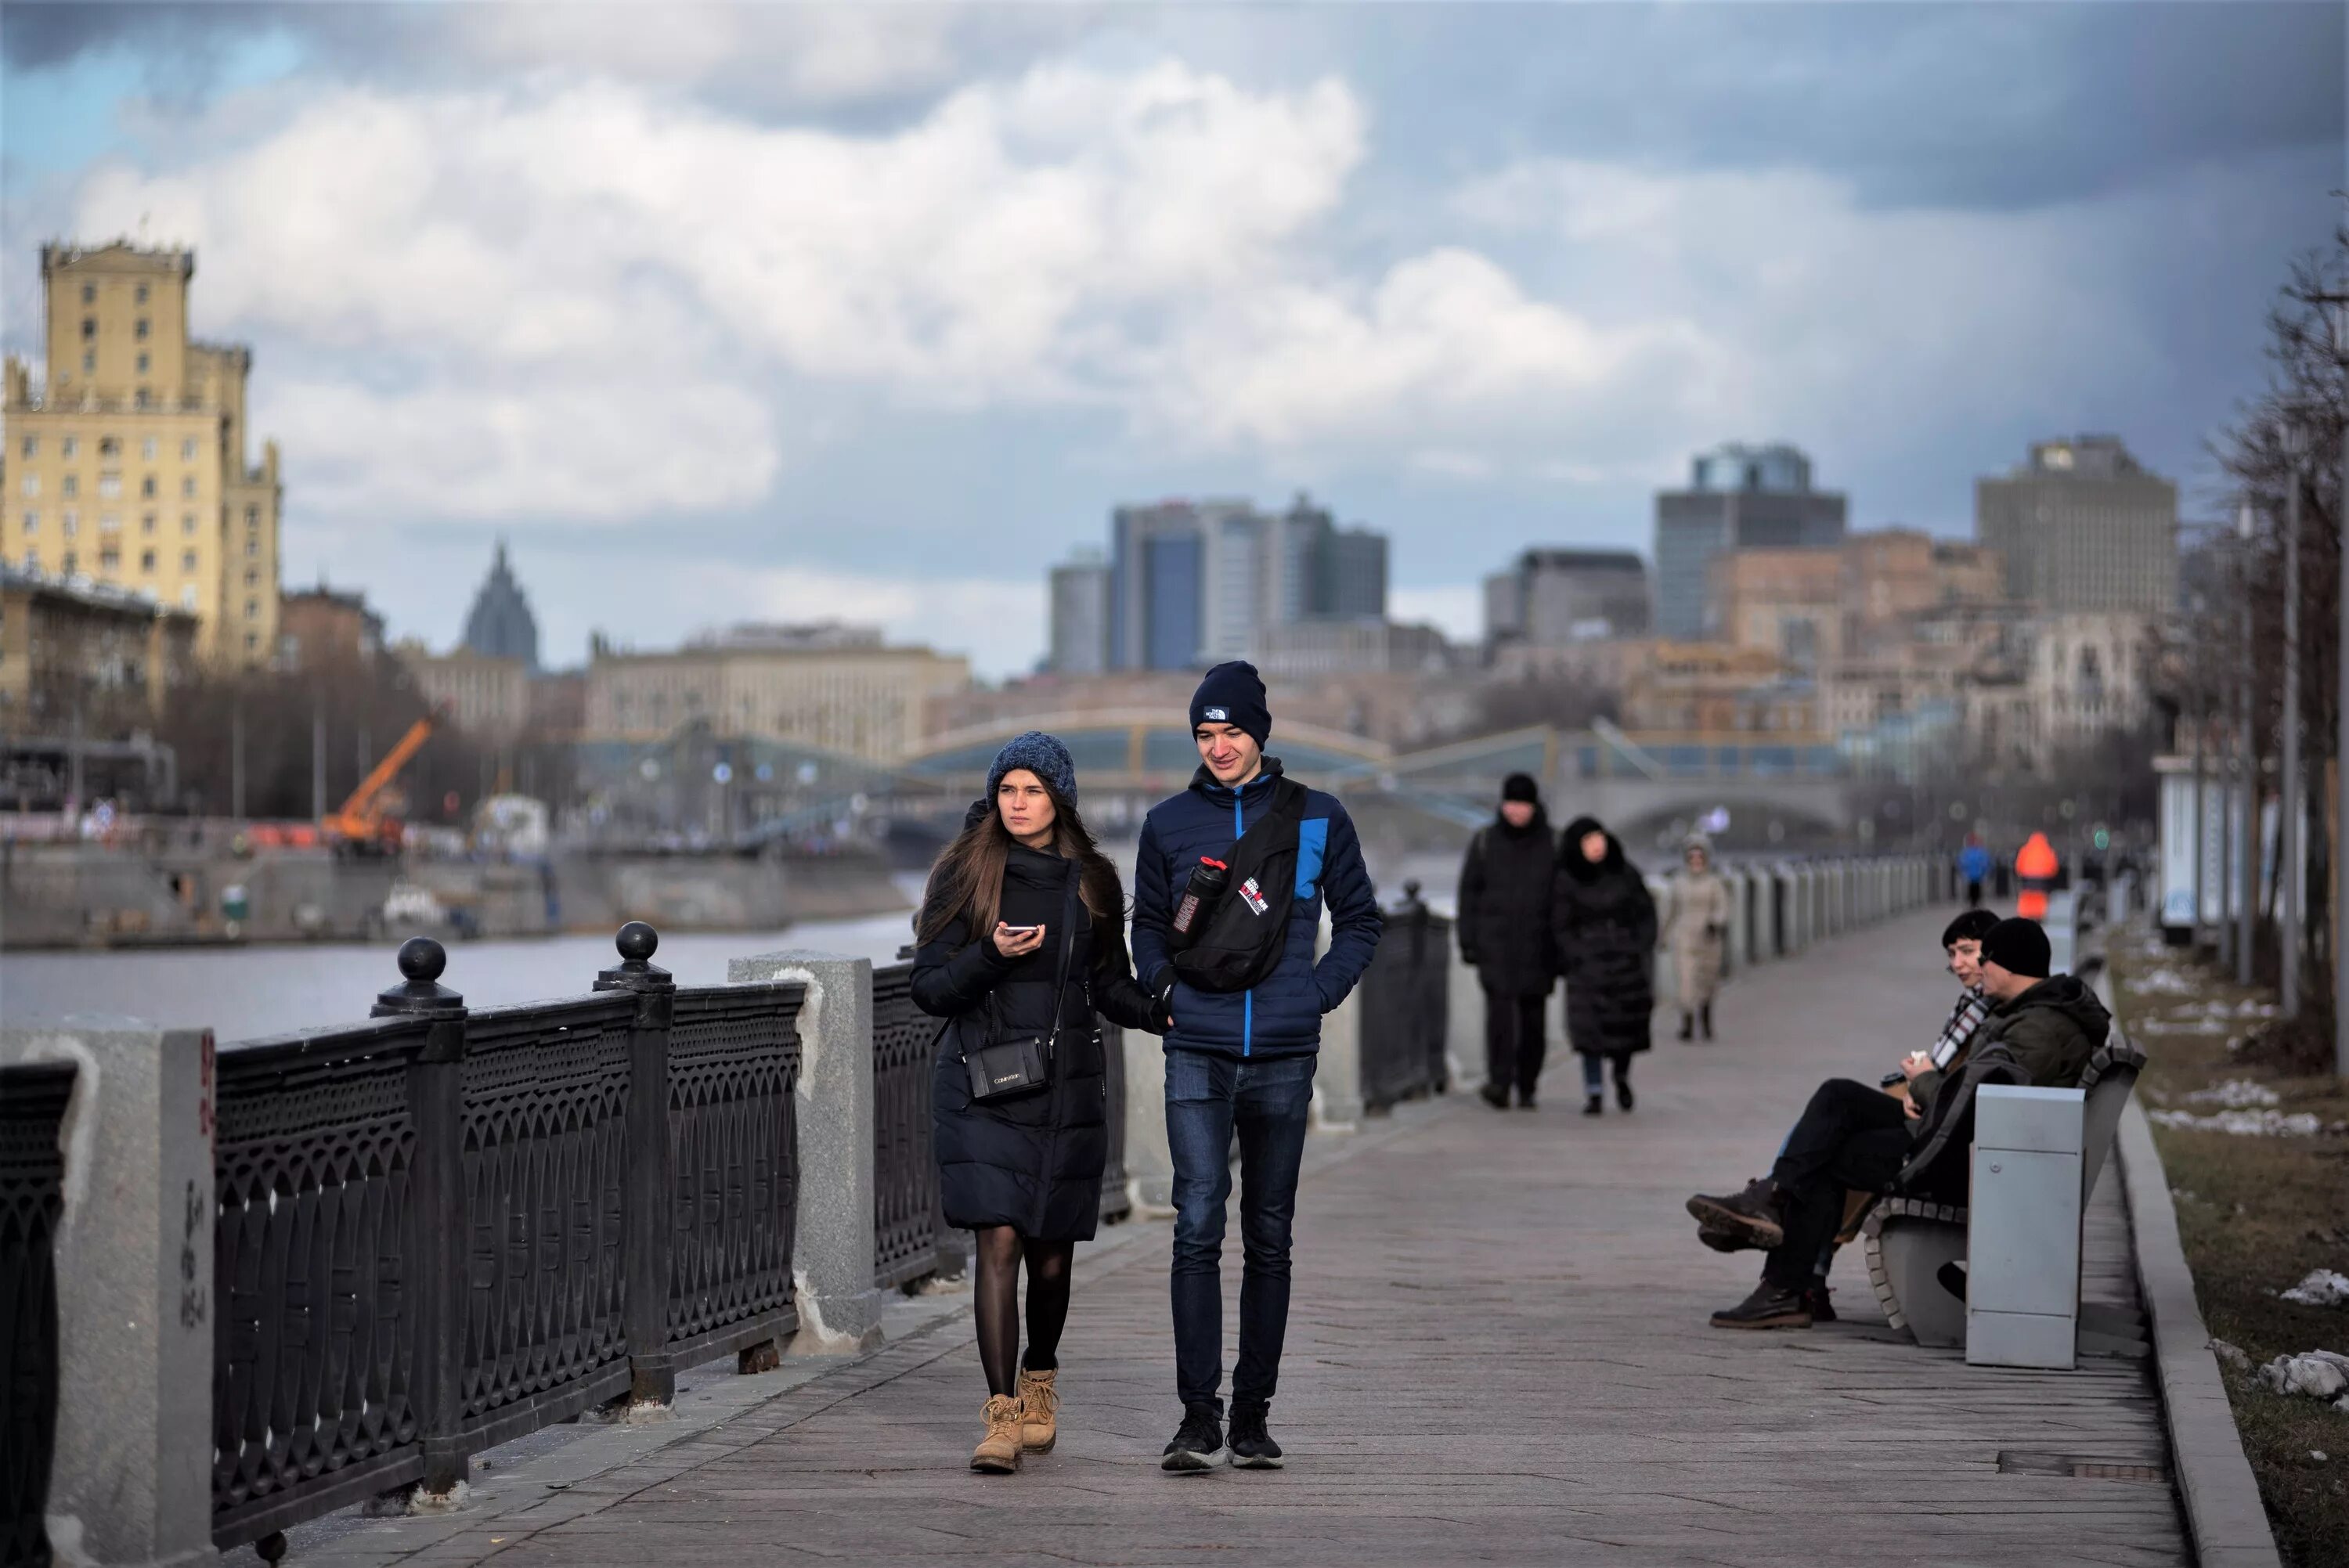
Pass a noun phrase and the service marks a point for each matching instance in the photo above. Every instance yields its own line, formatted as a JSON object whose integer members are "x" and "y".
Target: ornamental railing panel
{"x": 546, "y": 1093}
{"x": 733, "y": 1070}
{"x": 907, "y": 1226}
{"x": 315, "y": 1262}
{"x": 33, "y": 1102}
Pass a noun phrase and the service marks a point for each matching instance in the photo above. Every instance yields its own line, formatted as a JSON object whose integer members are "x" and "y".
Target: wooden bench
{"x": 1910, "y": 1239}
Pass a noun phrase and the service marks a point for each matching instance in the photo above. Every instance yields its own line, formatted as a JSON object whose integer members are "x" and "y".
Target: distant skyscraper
{"x": 1193, "y": 582}
{"x": 500, "y": 625}
{"x": 2082, "y": 528}
{"x": 1353, "y": 577}
{"x": 1738, "y": 498}
{"x": 1550, "y": 598}
{"x": 1080, "y": 614}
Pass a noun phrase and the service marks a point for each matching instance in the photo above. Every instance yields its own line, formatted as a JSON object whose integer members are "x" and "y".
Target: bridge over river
{"x": 1498, "y": 1352}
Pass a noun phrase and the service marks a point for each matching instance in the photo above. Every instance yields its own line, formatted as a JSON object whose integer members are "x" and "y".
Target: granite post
{"x": 130, "y": 1480}
{"x": 1338, "y": 1078}
{"x": 832, "y": 1246}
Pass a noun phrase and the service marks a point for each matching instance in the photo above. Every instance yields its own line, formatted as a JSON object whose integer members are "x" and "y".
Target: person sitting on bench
{"x": 1962, "y": 942}
{"x": 2041, "y": 1030}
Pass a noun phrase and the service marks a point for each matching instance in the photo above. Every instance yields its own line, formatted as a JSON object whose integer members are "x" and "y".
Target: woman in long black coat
{"x": 1604, "y": 922}
{"x": 1505, "y": 912}
{"x": 1024, "y": 1173}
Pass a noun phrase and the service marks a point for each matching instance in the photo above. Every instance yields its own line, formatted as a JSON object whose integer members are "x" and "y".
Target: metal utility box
{"x": 2022, "y": 1231}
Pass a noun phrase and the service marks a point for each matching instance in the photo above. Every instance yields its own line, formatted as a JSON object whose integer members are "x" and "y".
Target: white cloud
{"x": 567, "y": 300}
{"x": 1821, "y": 315}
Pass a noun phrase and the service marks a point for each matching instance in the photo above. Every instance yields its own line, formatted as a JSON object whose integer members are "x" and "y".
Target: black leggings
{"x": 996, "y": 1304}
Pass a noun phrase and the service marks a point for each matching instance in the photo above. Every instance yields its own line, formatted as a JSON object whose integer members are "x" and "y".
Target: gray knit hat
{"x": 1042, "y": 755}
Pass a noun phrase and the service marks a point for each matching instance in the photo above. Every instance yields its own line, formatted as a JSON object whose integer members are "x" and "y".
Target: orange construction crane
{"x": 362, "y": 819}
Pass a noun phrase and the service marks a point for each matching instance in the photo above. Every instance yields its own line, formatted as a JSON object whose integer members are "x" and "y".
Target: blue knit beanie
{"x": 1233, "y": 693}
{"x": 1042, "y": 755}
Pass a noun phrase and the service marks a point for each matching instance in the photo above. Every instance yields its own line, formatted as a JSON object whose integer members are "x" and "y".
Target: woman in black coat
{"x": 1024, "y": 1173}
{"x": 1604, "y": 922}
{"x": 1504, "y": 926}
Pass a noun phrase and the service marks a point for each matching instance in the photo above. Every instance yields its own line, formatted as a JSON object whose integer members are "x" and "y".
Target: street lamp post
{"x": 2247, "y": 808}
{"x": 2288, "y": 791}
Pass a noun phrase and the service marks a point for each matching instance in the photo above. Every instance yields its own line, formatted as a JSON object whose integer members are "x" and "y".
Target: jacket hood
{"x": 975, "y": 815}
{"x": 1569, "y": 851}
{"x": 2068, "y": 995}
{"x": 1205, "y": 784}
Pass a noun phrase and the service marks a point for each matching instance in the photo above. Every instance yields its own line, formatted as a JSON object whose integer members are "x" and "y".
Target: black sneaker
{"x": 1494, "y": 1096}
{"x": 1753, "y": 1213}
{"x": 1623, "y": 1093}
{"x": 1198, "y": 1445}
{"x": 1594, "y": 1105}
{"x": 1525, "y": 1099}
{"x": 1818, "y": 1298}
{"x": 1252, "y": 1446}
{"x": 1767, "y": 1307}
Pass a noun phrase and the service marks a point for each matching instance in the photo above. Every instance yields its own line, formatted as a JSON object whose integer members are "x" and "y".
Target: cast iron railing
{"x": 32, "y": 1174}
{"x": 907, "y": 1227}
{"x": 1405, "y": 994}
{"x": 441, "y": 1230}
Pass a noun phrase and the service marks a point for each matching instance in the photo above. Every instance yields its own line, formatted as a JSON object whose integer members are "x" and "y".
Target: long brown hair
{"x": 967, "y": 884}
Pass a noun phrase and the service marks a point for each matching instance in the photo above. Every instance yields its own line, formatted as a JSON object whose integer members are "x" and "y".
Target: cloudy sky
{"x": 874, "y": 311}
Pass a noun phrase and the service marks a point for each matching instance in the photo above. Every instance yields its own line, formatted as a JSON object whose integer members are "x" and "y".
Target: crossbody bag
{"x": 1005, "y": 1067}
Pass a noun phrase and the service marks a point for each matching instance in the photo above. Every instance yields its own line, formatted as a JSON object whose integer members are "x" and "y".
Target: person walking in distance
{"x": 1695, "y": 926}
{"x": 1974, "y": 866}
{"x": 1022, "y": 937}
{"x": 1504, "y": 936}
{"x": 1604, "y": 923}
{"x": 1229, "y": 881}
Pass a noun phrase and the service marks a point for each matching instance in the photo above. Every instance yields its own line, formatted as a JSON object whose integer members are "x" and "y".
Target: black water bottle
{"x": 1197, "y": 903}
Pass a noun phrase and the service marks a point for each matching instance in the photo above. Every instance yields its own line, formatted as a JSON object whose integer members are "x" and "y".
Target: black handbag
{"x": 1008, "y": 1069}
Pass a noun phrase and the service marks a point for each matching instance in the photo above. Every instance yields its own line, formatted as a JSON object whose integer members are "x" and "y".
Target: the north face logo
{"x": 1218, "y": 716}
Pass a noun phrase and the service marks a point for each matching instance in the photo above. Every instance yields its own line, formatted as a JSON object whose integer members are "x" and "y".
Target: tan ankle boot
{"x": 999, "y": 1451}
{"x": 1040, "y": 1403}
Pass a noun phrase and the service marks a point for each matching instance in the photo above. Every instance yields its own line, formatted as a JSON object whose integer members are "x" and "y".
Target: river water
{"x": 241, "y": 993}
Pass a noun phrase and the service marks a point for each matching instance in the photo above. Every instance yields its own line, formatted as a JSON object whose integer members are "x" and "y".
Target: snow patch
{"x": 2236, "y": 1094}
{"x": 2318, "y": 1374}
{"x": 2322, "y": 1287}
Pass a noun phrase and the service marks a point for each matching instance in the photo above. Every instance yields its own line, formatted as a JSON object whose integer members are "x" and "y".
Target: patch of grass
{"x": 2256, "y": 1214}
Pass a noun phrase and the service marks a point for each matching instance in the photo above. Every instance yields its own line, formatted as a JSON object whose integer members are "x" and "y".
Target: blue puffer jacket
{"x": 1281, "y": 1018}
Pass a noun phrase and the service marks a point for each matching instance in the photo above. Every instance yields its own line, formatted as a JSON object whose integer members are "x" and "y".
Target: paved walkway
{"x": 1498, "y": 1352}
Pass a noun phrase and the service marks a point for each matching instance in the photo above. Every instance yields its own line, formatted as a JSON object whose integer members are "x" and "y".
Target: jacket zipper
{"x": 1248, "y": 998}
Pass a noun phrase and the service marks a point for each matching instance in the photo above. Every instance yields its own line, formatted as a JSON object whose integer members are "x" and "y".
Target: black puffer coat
{"x": 1505, "y": 907}
{"x": 1604, "y": 922}
{"x": 1033, "y": 1162}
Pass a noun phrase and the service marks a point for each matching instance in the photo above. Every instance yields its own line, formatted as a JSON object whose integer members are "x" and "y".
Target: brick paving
{"x": 1497, "y": 1352}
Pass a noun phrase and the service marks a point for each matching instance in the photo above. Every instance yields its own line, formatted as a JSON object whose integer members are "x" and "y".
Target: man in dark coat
{"x": 2040, "y": 1031}
{"x": 1603, "y": 921}
{"x": 1504, "y": 936}
{"x": 1242, "y": 1060}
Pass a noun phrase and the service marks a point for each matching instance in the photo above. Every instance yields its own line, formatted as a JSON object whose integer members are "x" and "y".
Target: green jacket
{"x": 2048, "y": 1034}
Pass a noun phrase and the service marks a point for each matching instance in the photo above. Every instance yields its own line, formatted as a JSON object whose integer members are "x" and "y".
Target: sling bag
{"x": 1005, "y": 1069}
{"x": 1245, "y": 936}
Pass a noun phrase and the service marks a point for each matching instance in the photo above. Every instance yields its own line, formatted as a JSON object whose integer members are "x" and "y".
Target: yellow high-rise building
{"x": 129, "y": 467}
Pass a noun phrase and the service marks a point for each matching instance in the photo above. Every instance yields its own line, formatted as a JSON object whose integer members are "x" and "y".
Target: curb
{"x": 2221, "y": 1498}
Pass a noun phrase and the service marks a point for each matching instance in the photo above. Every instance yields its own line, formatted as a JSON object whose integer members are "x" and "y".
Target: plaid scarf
{"x": 1964, "y": 1019}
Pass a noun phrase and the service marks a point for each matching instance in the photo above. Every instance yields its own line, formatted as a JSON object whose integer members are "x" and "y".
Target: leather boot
{"x": 999, "y": 1452}
{"x": 1039, "y": 1405}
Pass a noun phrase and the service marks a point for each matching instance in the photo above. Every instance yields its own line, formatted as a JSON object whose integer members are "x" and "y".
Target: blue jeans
{"x": 1207, "y": 1098}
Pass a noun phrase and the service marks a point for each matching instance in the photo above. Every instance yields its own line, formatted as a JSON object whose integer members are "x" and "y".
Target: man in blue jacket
{"x": 1241, "y": 1060}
